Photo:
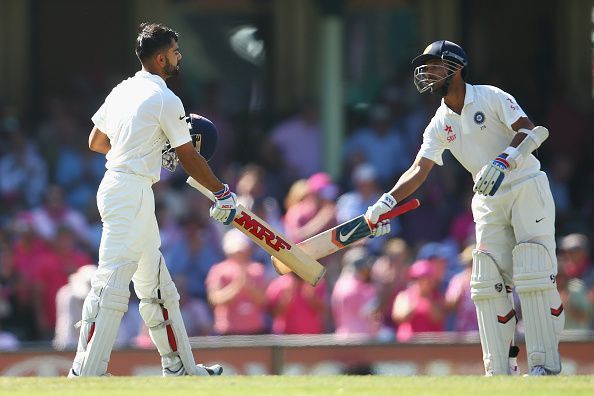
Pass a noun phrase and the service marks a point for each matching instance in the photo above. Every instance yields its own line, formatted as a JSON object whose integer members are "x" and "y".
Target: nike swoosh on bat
{"x": 343, "y": 238}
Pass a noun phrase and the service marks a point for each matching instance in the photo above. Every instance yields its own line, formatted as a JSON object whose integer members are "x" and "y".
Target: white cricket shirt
{"x": 479, "y": 133}
{"x": 138, "y": 116}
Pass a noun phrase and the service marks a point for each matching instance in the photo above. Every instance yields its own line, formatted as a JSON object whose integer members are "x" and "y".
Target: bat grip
{"x": 205, "y": 191}
{"x": 400, "y": 209}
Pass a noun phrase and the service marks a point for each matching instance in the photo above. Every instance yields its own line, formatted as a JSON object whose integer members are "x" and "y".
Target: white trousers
{"x": 523, "y": 212}
{"x": 130, "y": 231}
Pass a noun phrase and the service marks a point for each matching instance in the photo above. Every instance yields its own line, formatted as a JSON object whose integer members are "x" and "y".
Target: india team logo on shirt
{"x": 479, "y": 117}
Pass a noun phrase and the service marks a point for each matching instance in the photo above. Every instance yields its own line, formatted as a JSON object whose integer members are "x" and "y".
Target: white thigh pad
{"x": 535, "y": 272}
{"x": 160, "y": 311}
{"x": 495, "y": 314}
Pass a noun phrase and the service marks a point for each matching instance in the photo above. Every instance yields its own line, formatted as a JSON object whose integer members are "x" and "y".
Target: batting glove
{"x": 381, "y": 228}
{"x": 225, "y": 206}
{"x": 383, "y": 205}
{"x": 491, "y": 176}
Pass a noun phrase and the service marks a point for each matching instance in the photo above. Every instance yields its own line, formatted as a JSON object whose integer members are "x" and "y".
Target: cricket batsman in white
{"x": 491, "y": 136}
{"x": 138, "y": 119}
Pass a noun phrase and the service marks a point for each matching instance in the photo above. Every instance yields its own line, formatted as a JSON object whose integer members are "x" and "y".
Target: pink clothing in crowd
{"x": 28, "y": 256}
{"x": 304, "y": 310}
{"x": 459, "y": 290}
{"x": 240, "y": 315}
{"x": 52, "y": 274}
{"x": 420, "y": 319}
{"x": 354, "y": 304}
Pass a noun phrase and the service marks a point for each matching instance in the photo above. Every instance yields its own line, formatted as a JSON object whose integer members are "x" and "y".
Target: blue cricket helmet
{"x": 204, "y": 135}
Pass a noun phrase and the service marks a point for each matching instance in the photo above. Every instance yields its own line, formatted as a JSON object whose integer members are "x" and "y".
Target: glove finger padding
{"x": 224, "y": 210}
{"x": 381, "y": 228}
{"x": 488, "y": 180}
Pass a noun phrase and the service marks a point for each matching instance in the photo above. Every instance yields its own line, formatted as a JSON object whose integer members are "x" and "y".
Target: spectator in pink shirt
{"x": 457, "y": 296}
{"x": 419, "y": 308}
{"x": 296, "y": 306}
{"x": 315, "y": 212}
{"x": 389, "y": 273}
{"x": 354, "y": 299}
{"x": 236, "y": 288}
{"x": 28, "y": 247}
{"x": 62, "y": 260}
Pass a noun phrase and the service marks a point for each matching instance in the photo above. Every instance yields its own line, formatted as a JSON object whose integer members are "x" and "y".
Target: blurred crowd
{"x": 385, "y": 289}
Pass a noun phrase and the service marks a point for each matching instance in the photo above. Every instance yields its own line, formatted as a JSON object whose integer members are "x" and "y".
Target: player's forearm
{"x": 198, "y": 168}
{"x": 409, "y": 182}
{"x": 521, "y": 123}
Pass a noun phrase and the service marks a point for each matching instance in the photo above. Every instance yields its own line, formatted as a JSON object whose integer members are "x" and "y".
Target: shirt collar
{"x": 468, "y": 98}
{"x": 152, "y": 77}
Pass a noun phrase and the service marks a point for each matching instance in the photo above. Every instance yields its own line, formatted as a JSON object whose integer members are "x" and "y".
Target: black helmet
{"x": 442, "y": 49}
{"x": 453, "y": 59}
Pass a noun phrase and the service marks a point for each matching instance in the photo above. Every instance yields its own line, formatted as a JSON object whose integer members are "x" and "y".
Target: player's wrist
{"x": 388, "y": 200}
{"x": 223, "y": 193}
{"x": 501, "y": 162}
{"x": 512, "y": 156}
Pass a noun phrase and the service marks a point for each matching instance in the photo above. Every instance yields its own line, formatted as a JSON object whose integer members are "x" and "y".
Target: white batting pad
{"x": 102, "y": 313}
{"x": 160, "y": 311}
{"x": 495, "y": 314}
{"x": 535, "y": 272}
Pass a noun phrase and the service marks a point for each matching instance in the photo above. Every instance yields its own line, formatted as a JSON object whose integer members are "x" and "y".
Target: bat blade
{"x": 272, "y": 241}
{"x": 339, "y": 237}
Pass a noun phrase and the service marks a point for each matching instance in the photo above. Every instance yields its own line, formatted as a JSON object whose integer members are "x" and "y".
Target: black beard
{"x": 443, "y": 90}
{"x": 171, "y": 70}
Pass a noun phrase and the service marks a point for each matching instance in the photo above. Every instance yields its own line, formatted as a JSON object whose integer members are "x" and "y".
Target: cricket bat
{"x": 271, "y": 240}
{"x": 339, "y": 237}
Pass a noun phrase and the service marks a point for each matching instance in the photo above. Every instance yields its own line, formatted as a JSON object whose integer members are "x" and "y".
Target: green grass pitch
{"x": 307, "y": 386}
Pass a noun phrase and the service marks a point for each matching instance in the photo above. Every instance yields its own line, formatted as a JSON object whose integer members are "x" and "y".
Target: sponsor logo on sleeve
{"x": 451, "y": 136}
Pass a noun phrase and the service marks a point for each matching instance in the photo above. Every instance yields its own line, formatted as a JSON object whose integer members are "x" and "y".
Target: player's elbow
{"x": 99, "y": 142}
{"x": 93, "y": 146}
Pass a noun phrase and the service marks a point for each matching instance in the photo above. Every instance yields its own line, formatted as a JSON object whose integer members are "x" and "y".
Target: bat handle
{"x": 201, "y": 188}
{"x": 400, "y": 209}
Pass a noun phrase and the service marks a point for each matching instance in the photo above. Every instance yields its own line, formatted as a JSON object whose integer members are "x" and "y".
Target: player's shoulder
{"x": 438, "y": 118}
{"x": 489, "y": 91}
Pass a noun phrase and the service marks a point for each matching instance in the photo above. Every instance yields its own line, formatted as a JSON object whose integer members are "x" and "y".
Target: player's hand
{"x": 381, "y": 228}
{"x": 383, "y": 205}
{"x": 225, "y": 206}
{"x": 491, "y": 176}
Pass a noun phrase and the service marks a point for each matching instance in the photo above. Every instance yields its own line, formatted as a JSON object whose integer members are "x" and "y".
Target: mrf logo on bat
{"x": 261, "y": 232}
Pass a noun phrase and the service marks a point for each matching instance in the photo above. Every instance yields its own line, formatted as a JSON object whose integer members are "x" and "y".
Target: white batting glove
{"x": 383, "y": 205}
{"x": 491, "y": 176}
{"x": 381, "y": 228}
{"x": 225, "y": 206}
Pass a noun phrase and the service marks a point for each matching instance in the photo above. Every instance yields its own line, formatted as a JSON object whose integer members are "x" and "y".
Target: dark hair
{"x": 153, "y": 37}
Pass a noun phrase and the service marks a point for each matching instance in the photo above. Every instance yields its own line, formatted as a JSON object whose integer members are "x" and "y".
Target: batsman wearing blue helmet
{"x": 487, "y": 131}
{"x": 138, "y": 119}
